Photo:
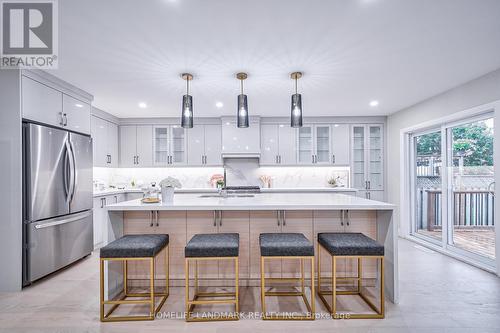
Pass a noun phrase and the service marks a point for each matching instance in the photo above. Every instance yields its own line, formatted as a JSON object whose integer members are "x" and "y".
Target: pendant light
{"x": 242, "y": 115}
{"x": 296, "y": 110}
{"x": 187, "y": 104}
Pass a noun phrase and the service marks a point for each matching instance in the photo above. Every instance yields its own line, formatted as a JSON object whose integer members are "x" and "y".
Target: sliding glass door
{"x": 452, "y": 187}
{"x": 427, "y": 184}
{"x": 471, "y": 189}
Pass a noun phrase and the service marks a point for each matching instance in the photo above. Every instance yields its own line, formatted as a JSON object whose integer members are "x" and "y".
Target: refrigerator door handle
{"x": 66, "y": 177}
{"x": 60, "y": 221}
{"x": 71, "y": 189}
{"x": 74, "y": 169}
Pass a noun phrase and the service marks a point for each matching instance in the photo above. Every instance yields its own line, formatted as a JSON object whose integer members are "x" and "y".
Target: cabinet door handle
{"x": 348, "y": 218}
{"x": 279, "y": 159}
{"x": 61, "y": 122}
{"x": 215, "y": 218}
{"x": 283, "y": 217}
{"x": 102, "y": 202}
{"x": 109, "y": 159}
{"x": 333, "y": 159}
{"x": 369, "y": 185}
{"x": 157, "y": 218}
{"x": 278, "y": 217}
{"x": 137, "y": 159}
{"x": 220, "y": 218}
{"x": 312, "y": 159}
{"x": 342, "y": 218}
{"x": 202, "y": 159}
{"x": 65, "y": 117}
{"x": 151, "y": 218}
{"x": 116, "y": 199}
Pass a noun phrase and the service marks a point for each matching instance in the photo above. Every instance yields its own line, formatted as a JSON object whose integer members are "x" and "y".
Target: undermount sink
{"x": 227, "y": 196}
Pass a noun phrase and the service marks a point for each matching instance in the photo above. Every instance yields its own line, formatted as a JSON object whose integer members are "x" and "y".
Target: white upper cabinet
{"x": 314, "y": 144}
{"x": 105, "y": 142}
{"x": 204, "y": 145}
{"x": 136, "y": 145}
{"x": 240, "y": 140}
{"x": 269, "y": 150}
{"x": 213, "y": 145}
{"x": 340, "y": 144}
{"x": 169, "y": 145}
{"x": 277, "y": 145}
{"x": 77, "y": 114}
{"x": 42, "y": 103}
{"x": 144, "y": 146}
{"x": 367, "y": 158}
{"x": 50, "y": 106}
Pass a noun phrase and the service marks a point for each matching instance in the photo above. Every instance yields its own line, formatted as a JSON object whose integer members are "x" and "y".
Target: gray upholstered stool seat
{"x": 135, "y": 246}
{"x": 213, "y": 245}
{"x": 350, "y": 244}
{"x": 285, "y": 245}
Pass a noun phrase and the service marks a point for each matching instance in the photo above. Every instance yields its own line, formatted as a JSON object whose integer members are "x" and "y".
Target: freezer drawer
{"x": 55, "y": 243}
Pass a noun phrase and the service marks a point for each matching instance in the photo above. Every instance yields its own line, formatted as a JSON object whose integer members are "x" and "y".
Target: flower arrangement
{"x": 334, "y": 181}
{"x": 266, "y": 180}
{"x": 217, "y": 180}
{"x": 170, "y": 182}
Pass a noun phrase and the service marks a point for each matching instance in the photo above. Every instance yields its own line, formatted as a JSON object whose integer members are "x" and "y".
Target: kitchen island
{"x": 250, "y": 215}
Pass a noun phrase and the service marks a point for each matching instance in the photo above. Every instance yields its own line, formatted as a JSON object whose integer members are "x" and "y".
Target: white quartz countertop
{"x": 112, "y": 191}
{"x": 262, "y": 201}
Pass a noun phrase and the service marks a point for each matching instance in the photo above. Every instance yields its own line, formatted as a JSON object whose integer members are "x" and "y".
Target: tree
{"x": 474, "y": 142}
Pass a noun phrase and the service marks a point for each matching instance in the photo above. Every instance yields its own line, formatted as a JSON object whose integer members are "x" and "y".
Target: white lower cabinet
{"x": 100, "y": 215}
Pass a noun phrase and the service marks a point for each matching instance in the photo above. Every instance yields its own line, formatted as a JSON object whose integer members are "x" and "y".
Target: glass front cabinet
{"x": 169, "y": 145}
{"x": 367, "y": 159}
{"x": 313, "y": 144}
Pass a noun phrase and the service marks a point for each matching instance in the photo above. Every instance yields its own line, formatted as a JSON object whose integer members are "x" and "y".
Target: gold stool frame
{"x": 379, "y": 312}
{"x": 311, "y": 307}
{"x": 191, "y": 303}
{"x": 105, "y": 316}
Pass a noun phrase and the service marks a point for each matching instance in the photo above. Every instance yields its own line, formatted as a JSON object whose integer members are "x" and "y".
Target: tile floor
{"x": 438, "y": 294}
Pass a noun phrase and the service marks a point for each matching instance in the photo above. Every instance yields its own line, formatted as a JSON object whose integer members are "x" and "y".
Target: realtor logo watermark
{"x": 29, "y": 35}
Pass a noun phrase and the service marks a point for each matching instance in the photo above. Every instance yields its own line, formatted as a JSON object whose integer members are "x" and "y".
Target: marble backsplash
{"x": 239, "y": 172}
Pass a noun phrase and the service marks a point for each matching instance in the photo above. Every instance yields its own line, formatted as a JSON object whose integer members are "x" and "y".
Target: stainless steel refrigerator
{"x": 57, "y": 200}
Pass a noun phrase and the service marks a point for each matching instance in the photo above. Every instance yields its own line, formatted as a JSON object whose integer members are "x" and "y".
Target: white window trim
{"x": 405, "y": 212}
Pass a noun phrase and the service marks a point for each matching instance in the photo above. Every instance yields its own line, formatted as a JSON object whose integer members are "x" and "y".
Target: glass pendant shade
{"x": 296, "y": 112}
{"x": 187, "y": 111}
{"x": 242, "y": 111}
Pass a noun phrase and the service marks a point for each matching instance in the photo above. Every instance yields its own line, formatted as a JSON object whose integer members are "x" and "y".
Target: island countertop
{"x": 260, "y": 201}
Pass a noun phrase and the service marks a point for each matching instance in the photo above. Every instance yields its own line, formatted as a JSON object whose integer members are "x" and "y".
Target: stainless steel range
{"x": 57, "y": 199}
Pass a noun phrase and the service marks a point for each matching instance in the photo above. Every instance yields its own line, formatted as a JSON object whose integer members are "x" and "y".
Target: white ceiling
{"x": 351, "y": 52}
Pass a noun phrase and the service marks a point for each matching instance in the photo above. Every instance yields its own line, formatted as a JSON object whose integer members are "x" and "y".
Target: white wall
{"x": 11, "y": 189}
{"x": 483, "y": 90}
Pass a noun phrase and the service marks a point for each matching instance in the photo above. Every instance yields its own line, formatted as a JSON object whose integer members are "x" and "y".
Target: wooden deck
{"x": 479, "y": 241}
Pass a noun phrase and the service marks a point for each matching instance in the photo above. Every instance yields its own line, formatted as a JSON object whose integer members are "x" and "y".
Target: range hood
{"x": 240, "y": 142}
{"x": 241, "y": 155}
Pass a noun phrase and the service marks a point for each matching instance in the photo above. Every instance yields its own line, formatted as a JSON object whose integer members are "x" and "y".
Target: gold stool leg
{"x": 186, "y": 270}
{"x": 360, "y": 274}
{"x": 334, "y": 285}
{"x": 152, "y": 286}
{"x": 302, "y": 277}
{"x": 262, "y": 286}
{"x": 313, "y": 294}
{"x": 237, "y": 284}
{"x": 101, "y": 279}
{"x": 382, "y": 287}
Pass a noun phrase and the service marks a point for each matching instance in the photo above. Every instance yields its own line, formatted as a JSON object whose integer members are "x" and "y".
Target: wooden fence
{"x": 471, "y": 209}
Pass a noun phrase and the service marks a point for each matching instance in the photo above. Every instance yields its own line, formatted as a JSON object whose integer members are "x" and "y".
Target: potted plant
{"x": 168, "y": 186}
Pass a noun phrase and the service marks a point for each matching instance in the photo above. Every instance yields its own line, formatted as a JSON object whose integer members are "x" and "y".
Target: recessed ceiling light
{"x": 219, "y": 104}
{"x": 373, "y": 103}
{"x": 143, "y": 105}
{"x": 79, "y": 105}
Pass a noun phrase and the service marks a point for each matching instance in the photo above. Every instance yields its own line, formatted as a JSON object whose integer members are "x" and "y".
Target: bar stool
{"x": 134, "y": 248}
{"x": 286, "y": 245}
{"x": 212, "y": 247}
{"x": 357, "y": 246}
